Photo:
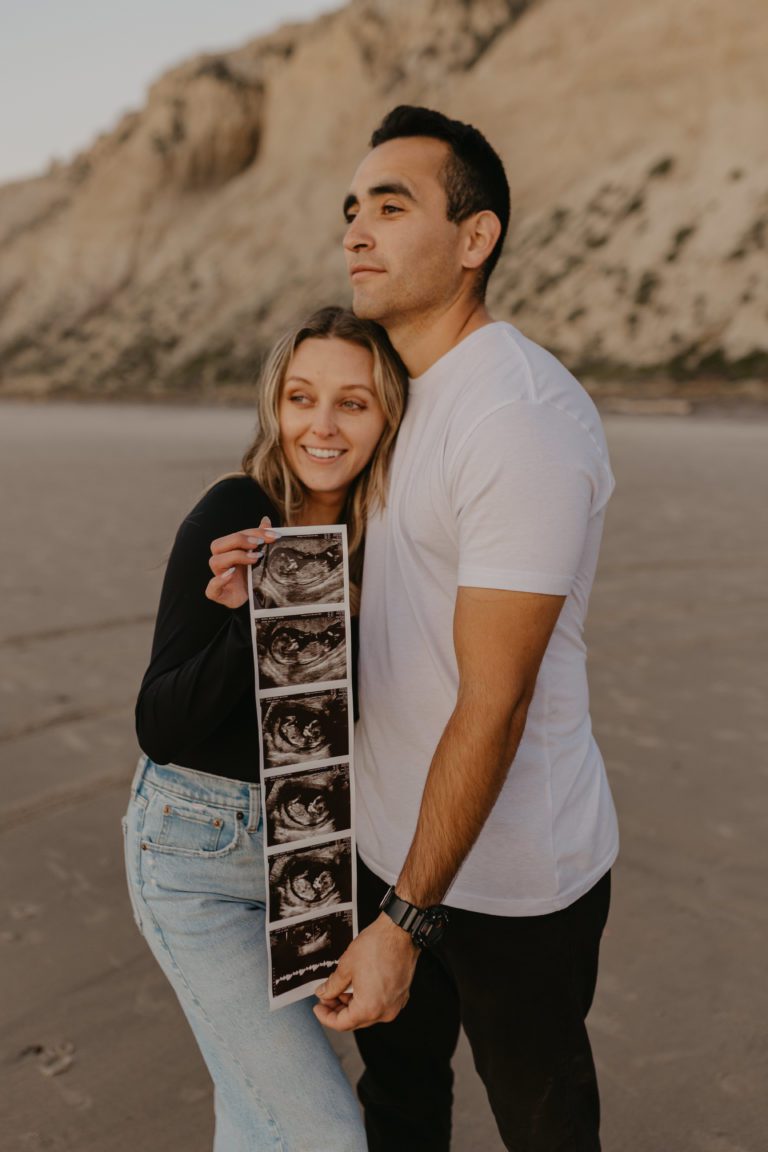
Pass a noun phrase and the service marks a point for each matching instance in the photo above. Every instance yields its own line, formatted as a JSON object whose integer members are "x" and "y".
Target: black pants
{"x": 521, "y": 987}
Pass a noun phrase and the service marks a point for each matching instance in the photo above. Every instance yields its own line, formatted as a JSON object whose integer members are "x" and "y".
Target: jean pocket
{"x": 174, "y": 824}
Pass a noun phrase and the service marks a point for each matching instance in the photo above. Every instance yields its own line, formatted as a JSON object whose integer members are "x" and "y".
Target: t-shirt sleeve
{"x": 202, "y": 662}
{"x": 526, "y": 482}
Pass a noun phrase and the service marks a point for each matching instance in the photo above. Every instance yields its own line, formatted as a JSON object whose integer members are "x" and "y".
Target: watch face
{"x": 431, "y": 928}
{"x": 425, "y": 925}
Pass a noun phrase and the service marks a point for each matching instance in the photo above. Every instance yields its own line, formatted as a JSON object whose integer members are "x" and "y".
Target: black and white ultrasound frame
{"x": 329, "y": 667}
{"x": 309, "y": 804}
{"x": 307, "y": 950}
{"x": 317, "y": 550}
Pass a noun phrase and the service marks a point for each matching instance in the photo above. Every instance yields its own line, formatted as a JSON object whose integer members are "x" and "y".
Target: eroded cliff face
{"x": 166, "y": 257}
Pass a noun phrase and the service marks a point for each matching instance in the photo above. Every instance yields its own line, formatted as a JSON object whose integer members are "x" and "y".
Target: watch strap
{"x": 405, "y": 915}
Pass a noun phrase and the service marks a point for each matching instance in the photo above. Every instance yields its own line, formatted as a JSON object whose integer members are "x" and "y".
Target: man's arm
{"x": 500, "y": 638}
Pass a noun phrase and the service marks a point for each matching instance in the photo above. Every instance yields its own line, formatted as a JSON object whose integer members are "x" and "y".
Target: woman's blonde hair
{"x": 265, "y": 461}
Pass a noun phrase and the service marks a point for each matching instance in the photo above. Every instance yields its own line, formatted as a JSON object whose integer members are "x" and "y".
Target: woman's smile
{"x": 329, "y": 454}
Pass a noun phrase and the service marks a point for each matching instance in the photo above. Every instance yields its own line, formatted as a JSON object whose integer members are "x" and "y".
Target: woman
{"x": 330, "y": 401}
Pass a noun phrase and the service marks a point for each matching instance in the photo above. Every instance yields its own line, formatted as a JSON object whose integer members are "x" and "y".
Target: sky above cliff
{"x": 69, "y": 70}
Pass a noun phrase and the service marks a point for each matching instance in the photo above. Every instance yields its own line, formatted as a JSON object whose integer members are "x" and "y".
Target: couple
{"x": 480, "y": 789}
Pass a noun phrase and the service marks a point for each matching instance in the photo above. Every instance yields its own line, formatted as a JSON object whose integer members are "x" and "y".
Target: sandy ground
{"x": 678, "y": 634}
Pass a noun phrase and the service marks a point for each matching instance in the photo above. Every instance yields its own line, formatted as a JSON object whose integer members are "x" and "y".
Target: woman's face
{"x": 330, "y": 418}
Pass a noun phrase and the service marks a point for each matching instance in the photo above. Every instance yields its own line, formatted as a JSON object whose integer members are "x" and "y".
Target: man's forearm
{"x": 466, "y": 775}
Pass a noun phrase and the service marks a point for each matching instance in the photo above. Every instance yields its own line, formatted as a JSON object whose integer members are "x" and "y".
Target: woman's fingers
{"x": 228, "y": 588}
{"x": 247, "y": 540}
{"x": 220, "y": 582}
{"x": 230, "y": 555}
{"x": 221, "y": 561}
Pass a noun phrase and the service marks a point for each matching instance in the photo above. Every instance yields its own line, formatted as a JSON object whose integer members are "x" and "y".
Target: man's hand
{"x": 378, "y": 966}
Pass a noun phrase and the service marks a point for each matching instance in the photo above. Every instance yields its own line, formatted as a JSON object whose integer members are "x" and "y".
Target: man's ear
{"x": 482, "y": 232}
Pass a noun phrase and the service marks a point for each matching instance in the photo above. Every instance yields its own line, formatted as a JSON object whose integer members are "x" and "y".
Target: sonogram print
{"x": 306, "y": 804}
{"x": 299, "y": 599}
{"x": 313, "y": 726}
{"x": 300, "y": 570}
{"x": 301, "y": 649}
{"x": 309, "y": 951}
{"x": 308, "y": 879}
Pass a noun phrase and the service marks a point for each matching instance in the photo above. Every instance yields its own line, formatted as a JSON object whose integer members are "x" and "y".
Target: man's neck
{"x": 422, "y": 341}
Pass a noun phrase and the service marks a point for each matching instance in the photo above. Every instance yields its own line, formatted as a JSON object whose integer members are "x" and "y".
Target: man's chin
{"x": 365, "y": 308}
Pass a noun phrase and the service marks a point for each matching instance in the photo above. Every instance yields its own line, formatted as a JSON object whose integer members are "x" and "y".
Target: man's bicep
{"x": 500, "y": 638}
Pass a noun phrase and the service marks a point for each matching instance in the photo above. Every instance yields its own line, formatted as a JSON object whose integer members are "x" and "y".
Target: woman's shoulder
{"x": 230, "y": 505}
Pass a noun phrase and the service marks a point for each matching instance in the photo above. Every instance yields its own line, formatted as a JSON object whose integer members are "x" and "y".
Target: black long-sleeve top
{"x": 196, "y": 704}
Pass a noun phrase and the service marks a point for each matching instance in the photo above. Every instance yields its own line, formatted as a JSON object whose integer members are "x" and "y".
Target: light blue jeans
{"x": 193, "y": 850}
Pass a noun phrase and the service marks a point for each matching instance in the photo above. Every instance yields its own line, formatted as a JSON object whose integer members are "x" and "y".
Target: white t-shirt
{"x": 499, "y": 480}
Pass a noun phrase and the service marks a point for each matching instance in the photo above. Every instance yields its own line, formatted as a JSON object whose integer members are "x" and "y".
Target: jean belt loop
{"x": 254, "y": 807}
{"x": 138, "y": 776}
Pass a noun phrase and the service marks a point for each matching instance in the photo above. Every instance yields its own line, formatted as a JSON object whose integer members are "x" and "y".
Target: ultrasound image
{"x": 313, "y": 726}
{"x": 308, "y": 951}
{"x": 306, "y": 804}
{"x": 308, "y": 879}
{"x": 300, "y": 570}
{"x": 301, "y": 649}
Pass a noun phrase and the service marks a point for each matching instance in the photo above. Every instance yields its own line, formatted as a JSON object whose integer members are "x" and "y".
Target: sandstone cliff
{"x": 165, "y": 257}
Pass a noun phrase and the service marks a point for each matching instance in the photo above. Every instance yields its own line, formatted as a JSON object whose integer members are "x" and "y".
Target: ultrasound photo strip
{"x": 299, "y": 600}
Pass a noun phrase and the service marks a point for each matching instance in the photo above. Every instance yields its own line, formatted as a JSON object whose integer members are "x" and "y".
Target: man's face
{"x": 403, "y": 254}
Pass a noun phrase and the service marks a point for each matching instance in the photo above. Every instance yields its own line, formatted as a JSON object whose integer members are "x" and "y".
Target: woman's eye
{"x": 353, "y": 405}
{"x": 298, "y": 398}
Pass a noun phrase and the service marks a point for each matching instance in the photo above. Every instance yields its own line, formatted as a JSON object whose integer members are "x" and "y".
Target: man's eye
{"x": 390, "y": 209}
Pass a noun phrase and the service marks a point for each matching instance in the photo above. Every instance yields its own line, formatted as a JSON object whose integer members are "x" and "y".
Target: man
{"x": 479, "y": 785}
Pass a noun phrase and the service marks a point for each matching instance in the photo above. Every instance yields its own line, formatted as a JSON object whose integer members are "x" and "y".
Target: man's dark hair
{"x": 473, "y": 176}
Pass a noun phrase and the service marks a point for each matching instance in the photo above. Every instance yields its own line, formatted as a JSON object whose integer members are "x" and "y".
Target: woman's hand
{"x": 230, "y": 557}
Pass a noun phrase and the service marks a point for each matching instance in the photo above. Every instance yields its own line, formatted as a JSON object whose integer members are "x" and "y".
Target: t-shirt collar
{"x": 450, "y": 359}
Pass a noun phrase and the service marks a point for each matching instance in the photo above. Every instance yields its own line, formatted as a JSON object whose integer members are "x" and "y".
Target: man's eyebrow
{"x": 395, "y": 188}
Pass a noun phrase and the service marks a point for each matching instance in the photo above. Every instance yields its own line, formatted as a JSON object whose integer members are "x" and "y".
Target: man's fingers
{"x": 337, "y": 1019}
{"x": 347, "y": 1017}
{"x": 337, "y": 982}
{"x": 324, "y": 1013}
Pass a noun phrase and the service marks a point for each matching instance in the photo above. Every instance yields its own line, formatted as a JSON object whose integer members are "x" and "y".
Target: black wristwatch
{"x": 424, "y": 925}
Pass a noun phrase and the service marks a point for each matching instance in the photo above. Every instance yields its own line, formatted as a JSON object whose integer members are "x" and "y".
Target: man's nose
{"x": 357, "y": 237}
